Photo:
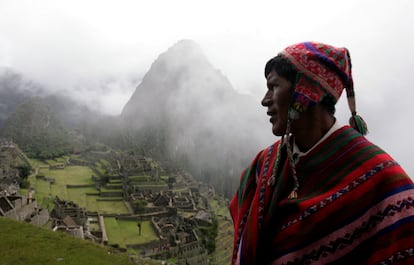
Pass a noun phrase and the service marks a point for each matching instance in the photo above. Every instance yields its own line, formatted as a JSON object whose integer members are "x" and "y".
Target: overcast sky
{"x": 98, "y": 51}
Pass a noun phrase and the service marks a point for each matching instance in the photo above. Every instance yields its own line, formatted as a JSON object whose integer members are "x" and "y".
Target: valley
{"x": 132, "y": 204}
{"x": 153, "y": 182}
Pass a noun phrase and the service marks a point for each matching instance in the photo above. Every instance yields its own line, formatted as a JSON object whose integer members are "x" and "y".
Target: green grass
{"x": 78, "y": 195}
{"x": 71, "y": 175}
{"x": 104, "y": 162}
{"x": 224, "y": 239}
{"x": 124, "y": 232}
{"x": 115, "y": 181}
{"x": 153, "y": 184}
{"x": 46, "y": 202}
{"x": 74, "y": 175}
{"x": 43, "y": 171}
{"x": 42, "y": 187}
{"x": 28, "y": 244}
{"x": 117, "y": 207}
{"x": 139, "y": 178}
{"x": 164, "y": 178}
{"x": 224, "y": 243}
{"x": 94, "y": 227}
{"x": 219, "y": 208}
{"x": 35, "y": 162}
{"x": 121, "y": 232}
{"x": 100, "y": 168}
{"x": 62, "y": 159}
{"x": 180, "y": 189}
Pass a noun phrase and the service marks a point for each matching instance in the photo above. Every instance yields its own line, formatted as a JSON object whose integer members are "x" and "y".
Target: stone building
{"x": 64, "y": 208}
{"x": 21, "y": 208}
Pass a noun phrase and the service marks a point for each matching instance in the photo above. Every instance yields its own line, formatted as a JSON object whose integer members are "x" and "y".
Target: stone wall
{"x": 41, "y": 218}
{"x": 192, "y": 254}
{"x": 21, "y": 210}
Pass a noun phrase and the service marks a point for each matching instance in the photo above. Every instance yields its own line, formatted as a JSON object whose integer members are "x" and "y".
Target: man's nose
{"x": 266, "y": 101}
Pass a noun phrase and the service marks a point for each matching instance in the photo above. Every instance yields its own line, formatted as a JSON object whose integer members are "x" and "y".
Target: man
{"x": 322, "y": 194}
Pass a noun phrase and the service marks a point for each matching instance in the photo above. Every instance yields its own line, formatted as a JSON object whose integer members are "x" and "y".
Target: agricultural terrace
{"x": 125, "y": 232}
{"x": 224, "y": 240}
{"x": 87, "y": 197}
{"x": 120, "y": 232}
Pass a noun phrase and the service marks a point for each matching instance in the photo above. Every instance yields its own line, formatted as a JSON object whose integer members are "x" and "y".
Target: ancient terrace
{"x": 169, "y": 200}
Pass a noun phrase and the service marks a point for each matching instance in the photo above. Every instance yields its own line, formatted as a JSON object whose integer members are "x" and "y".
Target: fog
{"x": 97, "y": 52}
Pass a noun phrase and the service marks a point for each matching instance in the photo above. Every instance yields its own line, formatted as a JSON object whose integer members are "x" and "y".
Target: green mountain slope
{"x": 14, "y": 90}
{"x": 37, "y": 131}
{"x": 24, "y": 244}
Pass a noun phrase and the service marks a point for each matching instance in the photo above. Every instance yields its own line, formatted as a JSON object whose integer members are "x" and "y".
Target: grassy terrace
{"x": 72, "y": 175}
{"x": 153, "y": 184}
{"x": 115, "y": 181}
{"x": 92, "y": 202}
{"x": 120, "y": 232}
{"x": 62, "y": 159}
{"x": 100, "y": 166}
{"x": 140, "y": 178}
{"x": 224, "y": 240}
{"x": 124, "y": 232}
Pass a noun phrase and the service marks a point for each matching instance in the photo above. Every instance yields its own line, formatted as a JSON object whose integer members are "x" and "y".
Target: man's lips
{"x": 272, "y": 115}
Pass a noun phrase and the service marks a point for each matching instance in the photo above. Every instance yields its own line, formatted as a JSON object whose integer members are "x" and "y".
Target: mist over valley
{"x": 184, "y": 111}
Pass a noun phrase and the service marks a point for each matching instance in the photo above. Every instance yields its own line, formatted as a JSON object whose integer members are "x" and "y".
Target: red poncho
{"x": 354, "y": 206}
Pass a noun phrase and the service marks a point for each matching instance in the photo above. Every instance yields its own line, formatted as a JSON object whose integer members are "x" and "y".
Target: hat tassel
{"x": 358, "y": 123}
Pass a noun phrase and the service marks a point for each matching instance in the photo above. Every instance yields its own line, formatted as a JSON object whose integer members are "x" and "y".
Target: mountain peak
{"x": 179, "y": 76}
{"x": 185, "y": 44}
{"x": 186, "y": 110}
{"x": 184, "y": 54}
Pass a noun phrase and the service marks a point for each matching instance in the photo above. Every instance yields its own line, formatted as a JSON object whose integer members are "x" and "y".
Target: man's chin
{"x": 278, "y": 132}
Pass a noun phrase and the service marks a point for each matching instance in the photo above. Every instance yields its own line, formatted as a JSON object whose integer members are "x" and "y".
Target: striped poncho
{"x": 354, "y": 206}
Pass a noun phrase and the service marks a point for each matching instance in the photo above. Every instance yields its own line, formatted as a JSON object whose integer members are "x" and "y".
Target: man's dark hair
{"x": 282, "y": 67}
{"x": 286, "y": 70}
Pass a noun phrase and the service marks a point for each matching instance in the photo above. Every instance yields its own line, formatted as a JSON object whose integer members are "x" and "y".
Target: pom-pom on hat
{"x": 322, "y": 69}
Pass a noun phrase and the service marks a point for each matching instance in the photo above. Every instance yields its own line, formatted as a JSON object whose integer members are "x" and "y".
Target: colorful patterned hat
{"x": 322, "y": 69}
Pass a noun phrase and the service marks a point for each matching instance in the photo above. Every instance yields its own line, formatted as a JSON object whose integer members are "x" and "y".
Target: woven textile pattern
{"x": 355, "y": 206}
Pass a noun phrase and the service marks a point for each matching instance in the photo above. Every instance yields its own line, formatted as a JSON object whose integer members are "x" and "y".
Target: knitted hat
{"x": 322, "y": 69}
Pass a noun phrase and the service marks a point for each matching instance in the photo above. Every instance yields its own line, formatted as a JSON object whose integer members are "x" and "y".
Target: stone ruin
{"x": 177, "y": 235}
{"x": 68, "y": 217}
{"x": 23, "y": 208}
{"x": 12, "y": 204}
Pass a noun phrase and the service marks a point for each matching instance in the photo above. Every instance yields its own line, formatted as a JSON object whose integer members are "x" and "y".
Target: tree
{"x": 24, "y": 172}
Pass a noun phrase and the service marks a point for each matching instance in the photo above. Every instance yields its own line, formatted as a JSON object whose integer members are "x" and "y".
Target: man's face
{"x": 277, "y": 100}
